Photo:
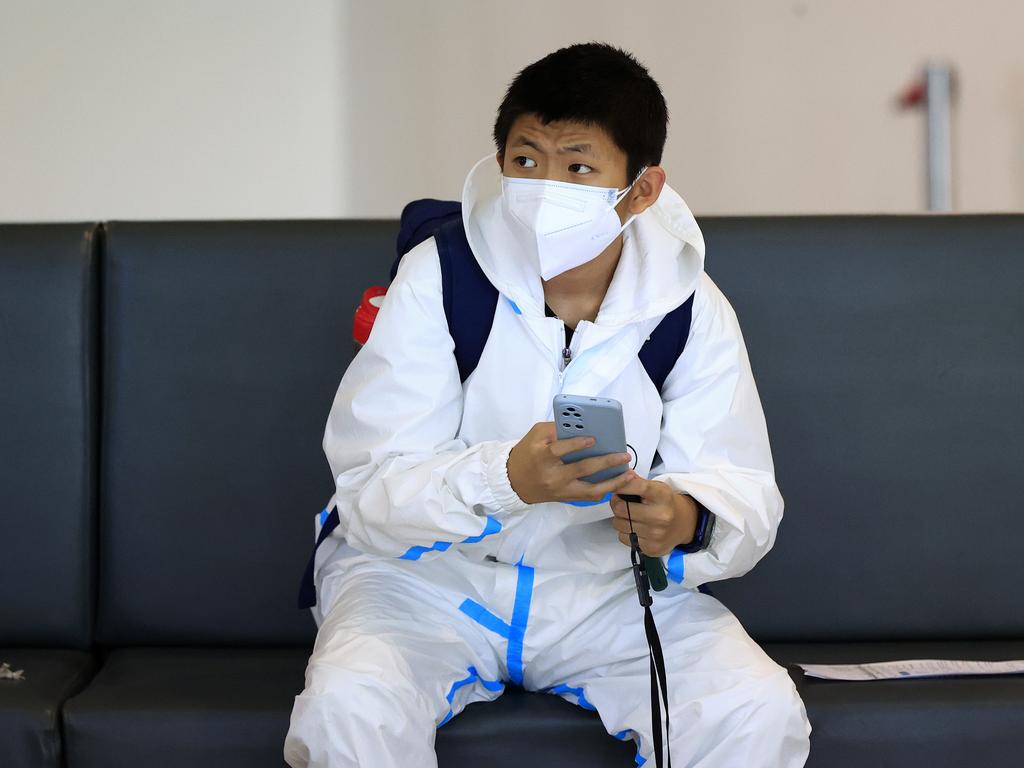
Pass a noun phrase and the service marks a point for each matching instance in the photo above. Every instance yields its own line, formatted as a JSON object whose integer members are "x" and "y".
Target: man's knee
{"x": 758, "y": 722}
{"x": 366, "y": 676}
{"x": 355, "y": 697}
{"x": 777, "y": 709}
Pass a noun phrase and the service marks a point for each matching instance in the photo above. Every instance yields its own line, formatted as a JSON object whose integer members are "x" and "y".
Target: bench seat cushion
{"x": 933, "y": 722}
{"x": 230, "y": 707}
{"x": 30, "y": 707}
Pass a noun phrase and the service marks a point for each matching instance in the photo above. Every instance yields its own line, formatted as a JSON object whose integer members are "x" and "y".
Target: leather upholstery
{"x": 917, "y": 722}
{"x": 887, "y": 353}
{"x": 30, "y": 735}
{"x": 198, "y": 361}
{"x": 48, "y": 433}
{"x": 224, "y": 343}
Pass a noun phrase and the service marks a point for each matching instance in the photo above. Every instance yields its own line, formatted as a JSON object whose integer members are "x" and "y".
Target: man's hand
{"x": 537, "y": 472}
{"x": 662, "y": 520}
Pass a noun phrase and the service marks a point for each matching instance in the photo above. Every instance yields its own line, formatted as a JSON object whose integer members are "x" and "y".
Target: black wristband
{"x": 702, "y": 533}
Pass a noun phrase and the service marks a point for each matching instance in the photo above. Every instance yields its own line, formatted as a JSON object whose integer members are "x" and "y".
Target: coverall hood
{"x": 662, "y": 254}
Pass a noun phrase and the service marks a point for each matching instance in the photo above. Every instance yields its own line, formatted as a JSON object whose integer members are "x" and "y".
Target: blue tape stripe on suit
{"x": 515, "y": 631}
{"x": 490, "y": 685}
{"x": 520, "y": 616}
{"x": 492, "y": 527}
{"x": 330, "y": 521}
{"x": 415, "y": 553}
{"x": 577, "y": 692}
{"x": 481, "y": 615}
{"x": 624, "y": 736}
{"x": 676, "y": 566}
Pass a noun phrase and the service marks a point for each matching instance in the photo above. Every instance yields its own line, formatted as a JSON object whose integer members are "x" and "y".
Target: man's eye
{"x": 527, "y": 159}
{"x": 581, "y": 165}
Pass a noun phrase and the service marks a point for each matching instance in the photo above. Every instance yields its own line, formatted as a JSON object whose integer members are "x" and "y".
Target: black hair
{"x": 595, "y": 84}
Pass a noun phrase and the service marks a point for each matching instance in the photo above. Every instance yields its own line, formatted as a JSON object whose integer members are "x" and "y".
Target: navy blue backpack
{"x": 469, "y": 302}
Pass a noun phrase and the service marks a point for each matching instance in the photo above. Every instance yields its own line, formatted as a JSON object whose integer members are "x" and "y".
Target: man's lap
{"x": 582, "y": 630}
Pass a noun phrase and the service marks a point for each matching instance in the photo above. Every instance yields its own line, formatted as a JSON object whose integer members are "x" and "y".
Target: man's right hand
{"x": 537, "y": 472}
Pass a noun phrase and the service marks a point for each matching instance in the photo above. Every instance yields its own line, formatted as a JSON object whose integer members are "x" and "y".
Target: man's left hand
{"x": 662, "y": 520}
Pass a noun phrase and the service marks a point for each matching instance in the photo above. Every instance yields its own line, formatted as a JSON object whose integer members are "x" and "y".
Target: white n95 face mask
{"x": 570, "y": 223}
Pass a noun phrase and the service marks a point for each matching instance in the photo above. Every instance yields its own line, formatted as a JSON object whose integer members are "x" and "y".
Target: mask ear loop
{"x": 625, "y": 192}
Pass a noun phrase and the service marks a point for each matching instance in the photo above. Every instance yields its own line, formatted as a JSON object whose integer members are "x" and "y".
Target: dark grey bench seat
{"x": 164, "y": 391}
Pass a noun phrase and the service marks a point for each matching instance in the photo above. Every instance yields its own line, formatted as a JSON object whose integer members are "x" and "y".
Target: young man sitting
{"x": 468, "y": 554}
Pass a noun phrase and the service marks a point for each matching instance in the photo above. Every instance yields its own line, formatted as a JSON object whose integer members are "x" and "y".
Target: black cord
{"x": 659, "y": 681}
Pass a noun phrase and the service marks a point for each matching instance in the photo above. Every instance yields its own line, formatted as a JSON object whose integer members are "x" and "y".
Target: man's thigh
{"x": 730, "y": 703}
{"x": 403, "y": 631}
{"x": 392, "y": 660}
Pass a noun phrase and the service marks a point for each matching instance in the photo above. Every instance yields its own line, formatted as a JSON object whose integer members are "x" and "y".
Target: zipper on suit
{"x": 567, "y": 348}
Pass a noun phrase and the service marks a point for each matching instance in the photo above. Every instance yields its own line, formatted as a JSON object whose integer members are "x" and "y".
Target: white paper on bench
{"x": 892, "y": 670}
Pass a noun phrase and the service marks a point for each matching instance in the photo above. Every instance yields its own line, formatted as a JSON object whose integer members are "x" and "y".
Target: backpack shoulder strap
{"x": 666, "y": 343}
{"x": 469, "y": 297}
{"x": 660, "y": 353}
{"x": 419, "y": 220}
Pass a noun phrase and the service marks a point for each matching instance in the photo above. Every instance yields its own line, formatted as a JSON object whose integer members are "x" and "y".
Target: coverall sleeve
{"x": 405, "y": 484}
{"x": 714, "y": 445}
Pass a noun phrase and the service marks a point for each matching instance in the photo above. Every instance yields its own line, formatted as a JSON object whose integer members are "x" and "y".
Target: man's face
{"x": 562, "y": 151}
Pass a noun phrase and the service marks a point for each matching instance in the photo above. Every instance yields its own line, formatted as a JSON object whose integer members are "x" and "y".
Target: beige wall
{"x": 137, "y": 109}
{"x": 261, "y": 109}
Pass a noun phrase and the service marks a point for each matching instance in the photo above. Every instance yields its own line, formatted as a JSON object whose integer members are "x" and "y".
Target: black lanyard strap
{"x": 659, "y": 681}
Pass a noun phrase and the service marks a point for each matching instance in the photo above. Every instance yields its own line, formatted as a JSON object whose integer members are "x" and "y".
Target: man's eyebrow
{"x": 522, "y": 141}
{"x": 586, "y": 149}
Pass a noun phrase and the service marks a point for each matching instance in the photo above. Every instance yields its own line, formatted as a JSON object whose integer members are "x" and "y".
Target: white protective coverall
{"x": 440, "y": 584}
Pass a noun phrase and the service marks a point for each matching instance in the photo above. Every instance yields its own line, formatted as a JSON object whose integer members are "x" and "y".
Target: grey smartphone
{"x": 597, "y": 417}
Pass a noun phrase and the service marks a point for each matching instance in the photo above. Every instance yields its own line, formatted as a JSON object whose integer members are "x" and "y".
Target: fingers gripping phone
{"x": 597, "y": 417}
{"x": 600, "y": 418}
